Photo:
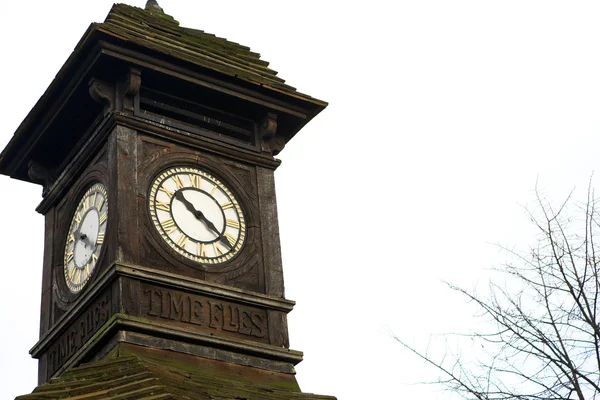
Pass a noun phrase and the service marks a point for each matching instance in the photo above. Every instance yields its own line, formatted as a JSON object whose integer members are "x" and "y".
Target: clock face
{"x": 197, "y": 215}
{"x": 85, "y": 237}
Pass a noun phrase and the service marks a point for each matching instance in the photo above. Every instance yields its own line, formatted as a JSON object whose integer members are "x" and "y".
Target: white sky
{"x": 442, "y": 116}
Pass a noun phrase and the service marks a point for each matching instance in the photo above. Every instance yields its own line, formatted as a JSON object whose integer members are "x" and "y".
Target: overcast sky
{"x": 442, "y": 116}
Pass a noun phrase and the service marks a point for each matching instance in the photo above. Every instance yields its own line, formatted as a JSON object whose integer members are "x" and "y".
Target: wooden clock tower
{"x": 155, "y": 148}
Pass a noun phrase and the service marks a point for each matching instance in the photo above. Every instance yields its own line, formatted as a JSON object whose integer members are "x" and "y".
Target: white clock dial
{"x": 85, "y": 237}
{"x": 197, "y": 215}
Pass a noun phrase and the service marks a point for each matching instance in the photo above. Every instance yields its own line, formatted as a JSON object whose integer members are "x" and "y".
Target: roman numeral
{"x": 71, "y": 273}
{"x": 166, "y": 191}
{"x": 232, "y": 223}
{"x": 227, "y": 205}
{"x": 195, "y": 180}
{"x": 100, "y": 239}
{"x": 213, "y": 190}
{"x": 201, "y": 249}
{"x": 94, "y": 260}
{"x": 178, "y": 182}
{"x": 101, "y": 203}
{"x": 78, "y": 217}
{"x": 169, "y": 225}
{"x": 217, "y": 249}
{"x": 69, "y": 257}
{"x": 163, "y": 206}
{"x": 230, "y": 239}
{"x": 77, "y": 276}
{"x": 103, "y": 218}
{"x": 182, "y": 241}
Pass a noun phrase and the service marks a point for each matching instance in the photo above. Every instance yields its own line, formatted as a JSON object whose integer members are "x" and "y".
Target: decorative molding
{"x": 270, "y": 141}
{"x": 41, "y": 174}
{"x": 130, "y": 89}
{"x": 102, "y": 92}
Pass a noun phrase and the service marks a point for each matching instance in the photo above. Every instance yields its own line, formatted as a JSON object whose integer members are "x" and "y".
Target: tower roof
{"x": 132, "y": 372}
{"x": 148, "y": 39}
{"x": 160, "y": 32}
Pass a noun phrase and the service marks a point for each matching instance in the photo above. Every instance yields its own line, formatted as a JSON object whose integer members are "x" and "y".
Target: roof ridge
{"x": 158, "y": 16}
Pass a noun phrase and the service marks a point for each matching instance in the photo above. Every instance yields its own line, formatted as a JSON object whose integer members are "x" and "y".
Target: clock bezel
{"x": 165, "y": 173}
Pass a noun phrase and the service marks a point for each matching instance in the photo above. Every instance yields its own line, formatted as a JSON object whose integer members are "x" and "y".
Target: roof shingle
{"x": 134, "y": 373}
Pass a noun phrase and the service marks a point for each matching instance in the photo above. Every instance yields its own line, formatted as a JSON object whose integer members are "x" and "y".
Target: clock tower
{"x": 155, "y": 146}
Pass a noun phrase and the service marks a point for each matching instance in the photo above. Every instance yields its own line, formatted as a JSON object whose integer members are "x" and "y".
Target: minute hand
{"x": 200, "y": 216}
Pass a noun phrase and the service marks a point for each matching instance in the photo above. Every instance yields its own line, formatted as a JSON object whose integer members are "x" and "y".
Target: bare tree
{"x": 545, "y": 334}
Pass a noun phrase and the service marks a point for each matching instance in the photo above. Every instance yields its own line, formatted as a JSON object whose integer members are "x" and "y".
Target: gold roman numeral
{"x": 213, "y": 190}
{"x": 230, "y": 239}
{"x": 101, "y": 203}
{"x": 78, "y": 217}
{"x": 71, "y": 273}
{"x": 232, "y": 223}
{"x": 163, "y": 206}
{"x": 201, "y": 249}
{"x": 217, "y": 249}
{"x": 69, "y": 257}
{"x": 182, "y": 240}
{"x": 103, "y": 218}
{"x": 169, "y": 225}
{"x": 195, "y": 181}
{"x": 227, "y": 205}
{"x": 77, "y": 276}
{"x": 95, "y": 198}
{"x": 100, "y": 239}
{"x": 178, "y": 182}
{"x": 166, "y": 191}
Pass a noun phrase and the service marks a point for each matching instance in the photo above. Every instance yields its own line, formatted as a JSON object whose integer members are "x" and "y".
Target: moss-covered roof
{"x": 138, "y": 373}
{"x": 161, "y": 32}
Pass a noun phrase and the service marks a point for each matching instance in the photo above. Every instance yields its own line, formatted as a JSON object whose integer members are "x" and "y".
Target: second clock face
{"x": 85, "y": 237}
{"x": 197, "y": 215}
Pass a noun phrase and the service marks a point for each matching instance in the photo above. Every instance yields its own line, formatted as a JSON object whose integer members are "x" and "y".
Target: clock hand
{"x": 212, "y": 226}
{"x": 179, "y": 196}
{"x": 83, "y": 237}
{"x": 200, "y": 216}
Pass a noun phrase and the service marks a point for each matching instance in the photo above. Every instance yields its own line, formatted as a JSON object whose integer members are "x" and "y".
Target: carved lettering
{"x": 205, "y": 312}
{"x": 259, "y": 325}
{"x": 231, "y": 319}
{"x": 176, "y": 311}
{"x": 216, "y": 315}
{"x": 197, "y": 312}
{"x": 78, "y": 334}
{"x": 155, "y": 299}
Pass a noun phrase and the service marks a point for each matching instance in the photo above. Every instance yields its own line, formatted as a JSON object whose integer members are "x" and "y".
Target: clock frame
{"x": 85, "y": 238}
{"x": 197, "y": 215}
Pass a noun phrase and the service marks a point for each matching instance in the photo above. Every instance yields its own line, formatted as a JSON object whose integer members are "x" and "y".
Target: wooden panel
{"x": 269, "y": 227}
{"x": 123, "y": 215}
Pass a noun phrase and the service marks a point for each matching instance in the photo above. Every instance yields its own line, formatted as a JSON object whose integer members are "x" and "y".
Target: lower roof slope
{"x": 137, "y": 374}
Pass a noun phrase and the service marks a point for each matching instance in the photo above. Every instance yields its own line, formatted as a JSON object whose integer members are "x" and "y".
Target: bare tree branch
{"x": 544, "y": 342}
